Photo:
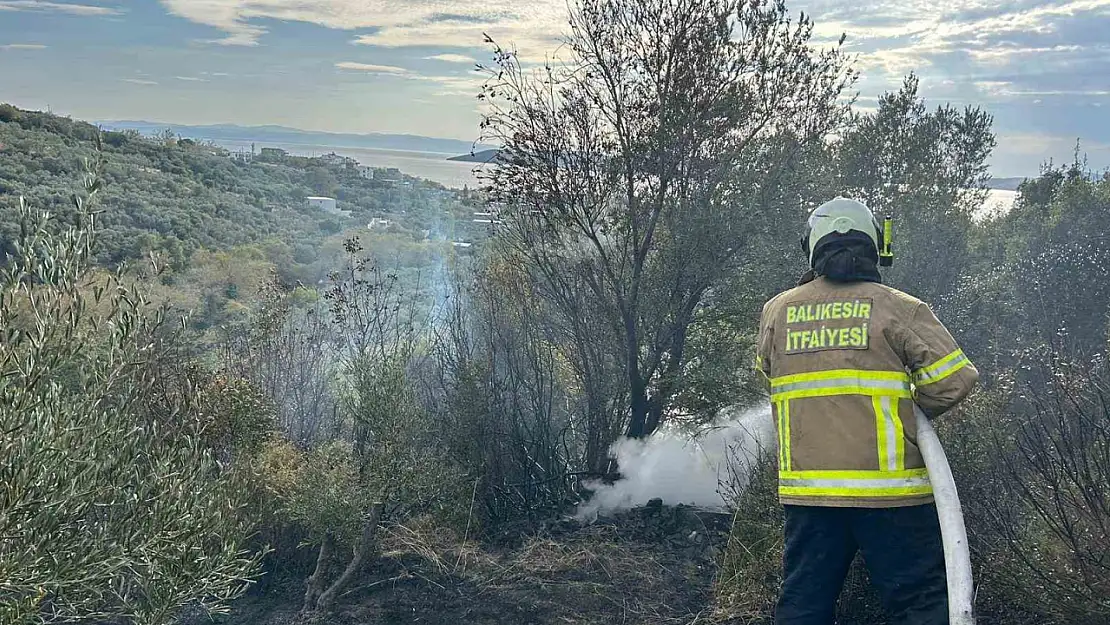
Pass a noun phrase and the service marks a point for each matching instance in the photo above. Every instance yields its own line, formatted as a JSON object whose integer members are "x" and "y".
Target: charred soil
{"x": 654, "y": 564}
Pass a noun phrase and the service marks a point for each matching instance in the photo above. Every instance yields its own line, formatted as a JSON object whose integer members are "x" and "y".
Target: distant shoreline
{"x": 427, "y": 165}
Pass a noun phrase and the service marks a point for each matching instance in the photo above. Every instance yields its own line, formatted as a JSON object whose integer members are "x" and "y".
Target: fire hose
{"x": 957, "y": 557}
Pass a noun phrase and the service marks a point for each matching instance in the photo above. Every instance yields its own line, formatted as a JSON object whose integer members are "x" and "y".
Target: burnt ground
{"x": 651, "y": 565}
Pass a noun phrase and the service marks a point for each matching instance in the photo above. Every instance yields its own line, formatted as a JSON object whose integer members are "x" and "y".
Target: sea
{"x": 434, "y": 166}
{"x": 428, "y": 165}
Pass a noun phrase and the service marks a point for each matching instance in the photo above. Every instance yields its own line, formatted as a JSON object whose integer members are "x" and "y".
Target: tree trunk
{"x": 315, "y": 584}
{"x": 637, "y": 386}
{"x": 639, "y": 405}
{"x": 669, "y": 382}
{"x": 361, "y": 553}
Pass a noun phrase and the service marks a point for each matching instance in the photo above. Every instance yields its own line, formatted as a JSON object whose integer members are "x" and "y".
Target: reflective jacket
{"x": 845, "y": 362}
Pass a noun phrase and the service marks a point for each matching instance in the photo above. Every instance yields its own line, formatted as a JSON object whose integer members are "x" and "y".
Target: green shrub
{"x": 1033, "y": 463}
{"x": 105, "y": 514}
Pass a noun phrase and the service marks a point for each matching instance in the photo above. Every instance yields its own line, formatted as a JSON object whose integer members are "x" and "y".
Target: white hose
{"x": 957, "y": 557}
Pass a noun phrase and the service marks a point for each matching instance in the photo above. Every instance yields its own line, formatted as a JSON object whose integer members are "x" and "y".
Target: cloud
{"x": 23, "y": 46}
{"x": 139, "y": 81}
{"x": 983, "y": 32}
{"x": 396, "y": 23}
{"x": 190, "y": 79}
{"x": 468, "y": 85}
{"x": 452, "y": 58}
{"x": 455, "y": 85}
{"x": 41, "y": 6}
{"x": 372, "y": 69}
{"x": 1006, "y": 54}
{"x": 1006, "y": 89}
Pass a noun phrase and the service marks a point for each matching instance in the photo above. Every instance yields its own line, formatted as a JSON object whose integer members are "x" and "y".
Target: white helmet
{"x": 843, "y": 215}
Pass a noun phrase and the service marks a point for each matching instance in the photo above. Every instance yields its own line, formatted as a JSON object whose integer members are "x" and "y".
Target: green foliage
{"x": 106, "y": 512}
{"x": 8, "y": 113}
{"x": 176, "y": 196}
{"x": 400, "y": 449}
{"x": 927, "y": 169}
{"x": 327, "y": 496}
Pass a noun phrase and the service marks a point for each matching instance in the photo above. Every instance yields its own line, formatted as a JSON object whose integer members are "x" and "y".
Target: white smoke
{"x": 678, "y": 467}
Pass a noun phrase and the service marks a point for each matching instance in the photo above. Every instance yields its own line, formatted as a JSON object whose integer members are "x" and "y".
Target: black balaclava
{"x": 848, "y": 257}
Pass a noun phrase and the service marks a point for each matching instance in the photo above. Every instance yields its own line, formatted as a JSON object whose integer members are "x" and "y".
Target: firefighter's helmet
{"x": 843, "y": 215}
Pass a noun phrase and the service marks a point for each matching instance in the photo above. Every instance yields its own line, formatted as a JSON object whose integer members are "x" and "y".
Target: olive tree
{"x": 386, "y": 459}
{"x": 632, "y": 169}
{"x": 928, "y": 169}
{"x": 105, "y": 512}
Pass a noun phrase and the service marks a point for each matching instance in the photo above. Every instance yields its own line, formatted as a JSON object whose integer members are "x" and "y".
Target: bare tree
{"x": 629, "y": 171}
{"x": 287, "y": 352}
{"x": 1053, "y": 473}
{"x": 503, "y": 390}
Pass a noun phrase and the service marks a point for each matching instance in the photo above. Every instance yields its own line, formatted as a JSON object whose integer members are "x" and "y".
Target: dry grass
{"x": 439, "y": 549}
{"x": 617, "y": 572}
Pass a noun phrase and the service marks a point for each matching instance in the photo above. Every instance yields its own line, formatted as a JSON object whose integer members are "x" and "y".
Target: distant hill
{"x": 181, "y": 197}
{"x": 1005, "y": 184}
{"x": 484, "y": 156}
{"x": 285, "y": 135}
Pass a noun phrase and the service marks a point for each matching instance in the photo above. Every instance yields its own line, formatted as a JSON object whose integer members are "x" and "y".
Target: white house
{"x": 326, "y": 204}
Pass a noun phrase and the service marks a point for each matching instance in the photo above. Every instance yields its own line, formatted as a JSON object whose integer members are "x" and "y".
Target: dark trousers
{"x": 901, "y": 547}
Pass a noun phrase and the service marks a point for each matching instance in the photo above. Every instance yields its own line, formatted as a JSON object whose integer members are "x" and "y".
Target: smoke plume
{"x": 679, "y": 467}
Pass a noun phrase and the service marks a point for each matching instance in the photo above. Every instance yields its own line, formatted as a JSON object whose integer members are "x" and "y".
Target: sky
{"x": 1041, "y": 67}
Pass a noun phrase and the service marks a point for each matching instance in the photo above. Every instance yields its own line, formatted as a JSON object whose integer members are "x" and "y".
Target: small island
{"x": 484, "y": 156}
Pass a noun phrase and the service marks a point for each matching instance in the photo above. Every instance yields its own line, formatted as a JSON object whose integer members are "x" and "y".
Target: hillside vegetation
{"x": 215, "y": 224}
{"x": 356, "y": 424}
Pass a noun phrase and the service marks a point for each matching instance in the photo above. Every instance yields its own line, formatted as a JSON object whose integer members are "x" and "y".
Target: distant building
{"x": 327, "y": 205}
{"x": 391, "y": 175}
{"x": 378, "y": 222}
{"x": 335, "y": 159}
{"x": 243, "y": 156}
{"x": 273, "y": 153}
{"x": 366, "y": 172}
{"x": 483, "y": 217}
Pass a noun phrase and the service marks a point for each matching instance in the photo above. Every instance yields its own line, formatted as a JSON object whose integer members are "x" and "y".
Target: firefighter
{"x": 846, "y": 358}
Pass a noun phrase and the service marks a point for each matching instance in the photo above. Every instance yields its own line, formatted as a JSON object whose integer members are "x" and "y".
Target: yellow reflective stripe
{"x": 929, "y": 370}
{"x": 853, "y": 474}
{"x": 780, "y": 428}
{"x": 899, "y": 438}
{"x": 941, "y": 369}
{"x": 880, "y": 431}
{"x": 889, "y": 434}
{"x": 855, "y": 483}
{"x": 840, "y": 373}
{"x": 840, "y": 382}
{"x": 902, "y": 491}
{"x": 829, "y": 391}
{"x": 784, "y": 410}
